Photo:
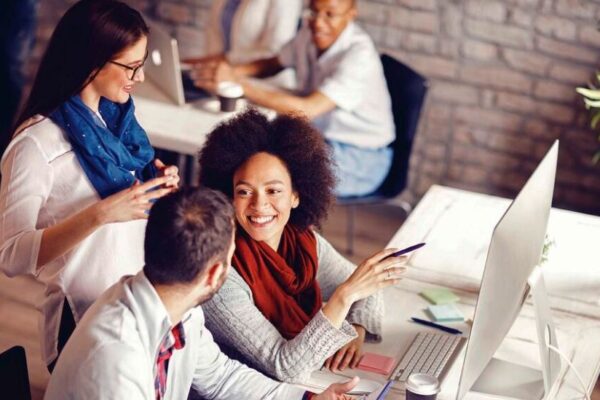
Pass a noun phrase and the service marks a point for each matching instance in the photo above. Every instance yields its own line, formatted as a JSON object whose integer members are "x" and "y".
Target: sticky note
{"x": 376, "y": 363}
{"x": 445, "y": 313}
{"x": 440, "y": 296}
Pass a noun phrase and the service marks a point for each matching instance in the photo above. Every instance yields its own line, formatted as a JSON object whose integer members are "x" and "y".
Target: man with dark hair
{"x": 340, "y": 87}
{"x": 144, "y": 338}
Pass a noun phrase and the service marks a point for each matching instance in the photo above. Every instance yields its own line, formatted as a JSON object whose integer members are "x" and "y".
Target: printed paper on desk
{"x": 380, "y": 394}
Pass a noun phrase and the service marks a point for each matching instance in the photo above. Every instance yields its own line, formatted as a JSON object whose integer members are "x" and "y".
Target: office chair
{"x": 407, "y": 92}
{"x": 14, "y": 378}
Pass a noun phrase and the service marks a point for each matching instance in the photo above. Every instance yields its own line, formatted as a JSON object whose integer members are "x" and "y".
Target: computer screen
{"x": 515, "y": 249}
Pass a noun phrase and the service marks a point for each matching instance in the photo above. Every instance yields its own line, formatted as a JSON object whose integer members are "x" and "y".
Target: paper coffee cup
{"x": 422, "y": 387}
{"x": 229, "y": 93}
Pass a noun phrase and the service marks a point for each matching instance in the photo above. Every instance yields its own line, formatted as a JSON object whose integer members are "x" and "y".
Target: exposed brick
{"x": 488, "y": 98}
{"x": 540, "y": 129}
{"x": 454, "y": 93}
{"x": 439, "y": 129}
{"x": 511, "y": 180}
{"x": 479, "y": 50}
{"x": 439, "y": 111}
{"x": 435, "y": 151}
{"x": 570, "y": 73}
{"x": 434, "y": 168}
{"x": 514, "y": 102}
{"x": 497, "y": 77}
{"x": 518, "y": 145}
{"x": 491, "y": 118}
{"x": 521, "y": 17}
{"x": 449, "y": 48}
{"x": 432, "y": 66}
{"x": 589, "y": 34}
{"x": 565, "y": 50}
{"x": 373, "y": 12}
{"x": 554, "y": 91}
{"x": 419, "y": 4}
{"x": 560, "y": 28}
{"x": 556, "y": 112}
{"x": 173, "y": 12}
{"x": 415, "y": 20}
{"x": 420, "y": 42}
{"x": 501, "y": 34}
{"x": 527, "y": 4}
{"x": 576, "y": 8}
{"x": 393, "y": 38}
{"x": 467, "y": 173}
{"x": 488, "y": 10}
{"x": 526, "y": 61}
{"x": 483, "y": 157}
{"x": 452, "y": 20}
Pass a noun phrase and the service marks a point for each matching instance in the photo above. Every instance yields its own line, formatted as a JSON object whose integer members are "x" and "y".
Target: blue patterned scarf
{"x": 107, "y": 153}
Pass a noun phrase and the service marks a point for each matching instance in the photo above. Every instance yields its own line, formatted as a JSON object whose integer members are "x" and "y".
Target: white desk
{"x": 457, "y": 227}
{"x": 182, "y": 129}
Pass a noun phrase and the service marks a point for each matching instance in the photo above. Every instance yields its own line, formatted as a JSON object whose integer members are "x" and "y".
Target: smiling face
{"x": 263, "y": 198}
{"x": 328, "y": 19}
{"x": 113, "y": 81}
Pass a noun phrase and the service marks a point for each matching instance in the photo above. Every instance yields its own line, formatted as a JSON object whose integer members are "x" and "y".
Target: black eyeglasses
{"x": 134, "y": 70}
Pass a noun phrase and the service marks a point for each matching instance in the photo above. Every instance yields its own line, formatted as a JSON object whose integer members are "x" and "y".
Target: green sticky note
{"x": 445, "y": 313}
{"x": 440, "y": 296}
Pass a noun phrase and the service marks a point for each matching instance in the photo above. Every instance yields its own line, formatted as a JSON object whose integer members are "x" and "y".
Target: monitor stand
{"x": 507, "y": 379}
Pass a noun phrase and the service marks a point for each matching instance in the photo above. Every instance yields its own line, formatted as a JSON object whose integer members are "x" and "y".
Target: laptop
{"x": 164, "y": 69}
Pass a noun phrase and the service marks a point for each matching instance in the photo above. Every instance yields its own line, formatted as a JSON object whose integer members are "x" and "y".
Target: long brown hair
{"x": 91, "y": 33}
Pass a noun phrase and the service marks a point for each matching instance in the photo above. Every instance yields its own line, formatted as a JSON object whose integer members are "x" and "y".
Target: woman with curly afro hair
{"x": 270, "y": 313}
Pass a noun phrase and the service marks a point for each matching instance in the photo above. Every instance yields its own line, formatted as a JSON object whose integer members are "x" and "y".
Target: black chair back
{"x": 14, "y": 378}
{"x": 407, "y": 91}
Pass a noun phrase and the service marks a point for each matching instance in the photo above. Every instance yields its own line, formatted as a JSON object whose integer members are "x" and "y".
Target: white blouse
{"x": 43, "y": 184}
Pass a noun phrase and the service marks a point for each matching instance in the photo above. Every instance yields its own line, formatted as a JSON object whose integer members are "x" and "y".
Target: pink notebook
{"x": 376, "y": 363}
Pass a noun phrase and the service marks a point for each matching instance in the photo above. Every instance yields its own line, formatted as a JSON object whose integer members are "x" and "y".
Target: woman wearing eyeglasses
{"x": 79, "y": 175}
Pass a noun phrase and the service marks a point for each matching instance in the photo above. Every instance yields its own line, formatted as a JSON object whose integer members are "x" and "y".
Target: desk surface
{"x": 457, "y": 227}
{"x": 182, "y": 129}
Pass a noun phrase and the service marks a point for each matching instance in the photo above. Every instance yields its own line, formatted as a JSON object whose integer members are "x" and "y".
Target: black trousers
{"x": 66, "y": 328}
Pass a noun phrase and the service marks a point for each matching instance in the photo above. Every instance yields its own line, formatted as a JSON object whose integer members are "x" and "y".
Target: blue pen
{"x": 437, "y": 326}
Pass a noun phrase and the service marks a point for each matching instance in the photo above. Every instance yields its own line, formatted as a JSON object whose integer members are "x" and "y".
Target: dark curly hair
{"x": 292, "y": 139}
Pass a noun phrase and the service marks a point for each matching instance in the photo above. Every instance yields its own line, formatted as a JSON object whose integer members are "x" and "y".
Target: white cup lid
{"x": 229, "y": 89}
{"x": 423, "y": 384}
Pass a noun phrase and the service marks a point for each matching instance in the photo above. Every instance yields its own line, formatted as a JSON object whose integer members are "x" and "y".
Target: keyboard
{"x": 431, "y": 353}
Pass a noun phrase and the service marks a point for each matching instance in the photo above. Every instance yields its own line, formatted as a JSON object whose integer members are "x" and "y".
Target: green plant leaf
{"x": 595, "y": 119}
{"x": 592, "y": 103}
{"x": 596, "y": 158}
{"x": 589, "y": 93}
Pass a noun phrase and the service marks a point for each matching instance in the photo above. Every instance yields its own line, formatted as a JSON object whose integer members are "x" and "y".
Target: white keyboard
{"x": 430, "y": 353}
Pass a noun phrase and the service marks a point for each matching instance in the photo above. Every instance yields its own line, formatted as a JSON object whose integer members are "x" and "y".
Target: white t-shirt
{"x": 43, "y": 184}
{"x": 351, "y": 75}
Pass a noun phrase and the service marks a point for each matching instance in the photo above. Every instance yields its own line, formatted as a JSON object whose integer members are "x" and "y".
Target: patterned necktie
{"x": 174, "y": 341}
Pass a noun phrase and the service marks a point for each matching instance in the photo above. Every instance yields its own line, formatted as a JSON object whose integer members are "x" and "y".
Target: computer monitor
{"x": 514, "y": 252}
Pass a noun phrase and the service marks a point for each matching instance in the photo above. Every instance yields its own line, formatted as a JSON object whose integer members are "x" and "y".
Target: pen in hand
{"x": 437, "y": 326}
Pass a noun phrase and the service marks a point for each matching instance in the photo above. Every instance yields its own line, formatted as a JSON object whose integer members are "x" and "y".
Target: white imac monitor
{"x": 514, "y": 252}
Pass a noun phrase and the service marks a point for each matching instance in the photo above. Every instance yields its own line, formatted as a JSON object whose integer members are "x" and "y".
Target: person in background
{"x": 78, "y": 175}
{"x": 17, "y": 36}
{"x": 292, "y": 303}
{"x": 340, "y": 87}
{"x": 144, "y": 338}
{"x": 242, "y": 31}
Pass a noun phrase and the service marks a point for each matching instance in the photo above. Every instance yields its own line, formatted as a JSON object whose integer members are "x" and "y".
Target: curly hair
{"x": 292, "y": 139}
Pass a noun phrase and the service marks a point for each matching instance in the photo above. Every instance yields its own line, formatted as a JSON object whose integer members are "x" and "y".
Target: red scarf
{"x": 283, "y": 283}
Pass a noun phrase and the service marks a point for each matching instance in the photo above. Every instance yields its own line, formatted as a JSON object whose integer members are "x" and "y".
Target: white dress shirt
{"x": 350, "y": 74}
{"x": 113, "y": 351}
{"x": 43, "y": 184}
{"x": 259, "y": 29}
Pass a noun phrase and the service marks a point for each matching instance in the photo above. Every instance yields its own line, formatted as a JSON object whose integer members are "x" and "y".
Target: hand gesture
{"x": 171, "y": 170}
{"x": 133, "y": 202}
{"x": 350, "y": 354}
{"x": 375, "y": 273}
{"x": 336, "y": 391}
{"x": 208, "y": 74}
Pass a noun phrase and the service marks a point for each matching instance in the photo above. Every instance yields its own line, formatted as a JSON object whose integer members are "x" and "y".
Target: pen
{"x": 437, "y": 326}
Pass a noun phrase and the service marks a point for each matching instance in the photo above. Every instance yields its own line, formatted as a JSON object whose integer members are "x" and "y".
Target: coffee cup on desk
{"x": 229, "y": 93}
{"x": 422, "y": 387}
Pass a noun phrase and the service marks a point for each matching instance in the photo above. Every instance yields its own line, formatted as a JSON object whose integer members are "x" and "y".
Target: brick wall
{"x": 502, "y": 77}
